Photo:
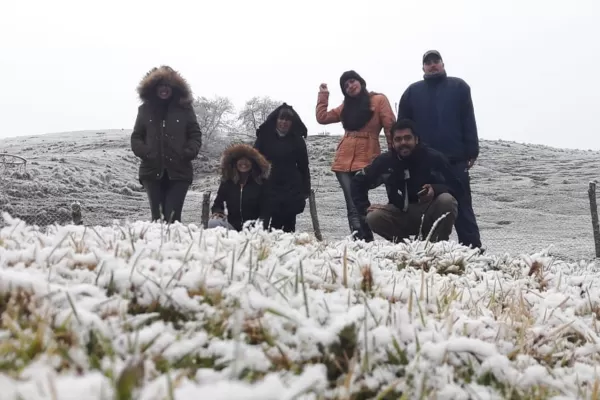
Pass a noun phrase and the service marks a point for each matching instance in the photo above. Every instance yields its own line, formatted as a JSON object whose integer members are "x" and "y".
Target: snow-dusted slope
{"x": 527, "y": 197}
{"x": 151, "y": 312}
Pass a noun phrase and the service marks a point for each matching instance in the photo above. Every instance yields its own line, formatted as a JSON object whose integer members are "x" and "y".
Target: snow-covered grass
{"x": 147, "y": 311}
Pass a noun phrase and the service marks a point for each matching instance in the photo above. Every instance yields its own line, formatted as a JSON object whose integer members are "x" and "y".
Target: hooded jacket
{"x": 244, "y": 202}
{"x": 166, "y": 135}
{"x": 289, "y": 181}
{"x": 404, "y": 178}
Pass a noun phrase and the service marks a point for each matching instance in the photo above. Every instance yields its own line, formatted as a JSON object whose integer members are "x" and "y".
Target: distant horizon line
{"x": 99, "y": 131}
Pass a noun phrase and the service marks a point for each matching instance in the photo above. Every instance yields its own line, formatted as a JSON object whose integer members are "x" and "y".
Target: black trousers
{"x": 355, "y": 221}
{"x": 166, "y": 198}
{"x": 466, "y": 222}
{"x": 285, "y": 222}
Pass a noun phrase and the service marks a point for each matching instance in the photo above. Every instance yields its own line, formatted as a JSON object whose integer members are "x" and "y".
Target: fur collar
{"x": 261, "y": 168}
{"x": 147, "y": 86}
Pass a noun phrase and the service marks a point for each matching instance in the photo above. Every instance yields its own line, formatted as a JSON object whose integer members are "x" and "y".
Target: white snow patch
{"x": 222, "y": 315}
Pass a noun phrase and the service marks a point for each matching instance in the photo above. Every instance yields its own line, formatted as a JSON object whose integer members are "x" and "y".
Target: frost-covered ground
{"x": 149, "y": 312}
{"x": 527, "y": 197}
{"x": 96, "y": 169}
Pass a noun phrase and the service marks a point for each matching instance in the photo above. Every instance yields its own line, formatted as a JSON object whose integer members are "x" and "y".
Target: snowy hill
{"x": 527, "y": 197}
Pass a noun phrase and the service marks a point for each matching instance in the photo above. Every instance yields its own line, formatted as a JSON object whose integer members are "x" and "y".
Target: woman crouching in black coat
{"x": 281, "y": 140}
{"x": 242, "y": 189}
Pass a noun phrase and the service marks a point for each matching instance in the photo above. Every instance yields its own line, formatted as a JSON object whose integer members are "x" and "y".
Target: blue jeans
{"x": 466, "y": 223}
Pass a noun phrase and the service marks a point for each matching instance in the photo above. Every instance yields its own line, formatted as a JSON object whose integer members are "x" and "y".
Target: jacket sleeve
{"x": 366, "y": 179}
{"x": 194, "y": 136}
{"x": 470, "y": 135}
{"x": 303, "y": 165}
{"x": 388, "y": 119}
{"x": 404, "y": 109}
{"x": 325, "y": 117}
{"x": 444, "y": 180}
{"x": 219, "y": 203}
{"x": 138, "y": 137}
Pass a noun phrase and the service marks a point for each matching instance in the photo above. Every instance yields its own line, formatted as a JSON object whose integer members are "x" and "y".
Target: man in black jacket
{"x": 418, "y": 182}
{"x": 442, "y": 109}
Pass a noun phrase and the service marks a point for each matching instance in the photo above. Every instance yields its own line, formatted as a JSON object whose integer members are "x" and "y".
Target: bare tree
{"x": 255, "y": 112}
{"x": 215, "y": 116}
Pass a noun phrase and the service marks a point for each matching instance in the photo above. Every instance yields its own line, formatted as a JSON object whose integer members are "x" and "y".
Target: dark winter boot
{"x": 363, "y": 232}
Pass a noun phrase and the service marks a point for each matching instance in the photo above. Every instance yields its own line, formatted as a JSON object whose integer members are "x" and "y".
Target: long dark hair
{"x": 357, "y": 110}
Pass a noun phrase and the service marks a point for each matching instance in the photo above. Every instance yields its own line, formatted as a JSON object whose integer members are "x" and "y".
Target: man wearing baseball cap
{"x": 442, "y": 110}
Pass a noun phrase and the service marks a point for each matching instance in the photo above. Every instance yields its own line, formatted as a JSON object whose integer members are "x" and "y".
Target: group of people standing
{"x": 431, "y": 146}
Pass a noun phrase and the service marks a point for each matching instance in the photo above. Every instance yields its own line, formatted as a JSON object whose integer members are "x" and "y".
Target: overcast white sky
{"x": 74, "y": 65}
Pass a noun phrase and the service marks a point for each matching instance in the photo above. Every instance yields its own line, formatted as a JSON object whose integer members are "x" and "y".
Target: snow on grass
{"x": 148, "y": 311}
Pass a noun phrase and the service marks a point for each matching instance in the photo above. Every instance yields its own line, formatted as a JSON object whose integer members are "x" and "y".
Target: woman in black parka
{"x": 281, "y": 140}
{"x": 242, "y": 190}
{"x": 167, "y": 137}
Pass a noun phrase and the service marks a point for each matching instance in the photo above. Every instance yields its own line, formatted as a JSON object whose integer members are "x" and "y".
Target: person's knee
{"x": 374, "y": 220}
{"x": 214, "y": 223}
{"x": 446, "y": 203}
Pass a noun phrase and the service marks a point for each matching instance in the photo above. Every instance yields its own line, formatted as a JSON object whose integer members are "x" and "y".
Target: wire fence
{"x": 501, "y": 231}
{"x": 324, "y": 221}
{"x": 26, "y": 205}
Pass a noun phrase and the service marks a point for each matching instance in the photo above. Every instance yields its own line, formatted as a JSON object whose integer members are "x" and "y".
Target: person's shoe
{"x": 360, "y": 234}
{"x": 367, "y": 234}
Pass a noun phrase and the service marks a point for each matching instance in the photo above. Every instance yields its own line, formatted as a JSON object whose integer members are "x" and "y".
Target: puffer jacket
{"x": 244, "y": 202}
{"x": 166, "y": 137}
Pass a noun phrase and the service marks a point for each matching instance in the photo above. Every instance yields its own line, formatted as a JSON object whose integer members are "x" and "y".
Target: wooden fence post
{"x": 76, "y": 213}
{"x": 594, "y": 211}
{"x": 313, "y": 215}
{"x": 205, "y": 208}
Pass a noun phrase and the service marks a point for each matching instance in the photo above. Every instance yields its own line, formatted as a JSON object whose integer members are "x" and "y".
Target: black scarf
{"x": 357, "y": 110}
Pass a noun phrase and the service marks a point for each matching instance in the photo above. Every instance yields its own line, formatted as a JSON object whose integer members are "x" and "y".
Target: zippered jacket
{"x": 289, "y": 182}
{"x": 442, "y": 109}
{"x": 404, "y": 178}
{"x": 166, "y": 135}
{"x": 245, "y": 202}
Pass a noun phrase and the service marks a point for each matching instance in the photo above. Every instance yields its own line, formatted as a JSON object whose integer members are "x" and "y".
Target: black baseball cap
{"x": 432, "y": 53}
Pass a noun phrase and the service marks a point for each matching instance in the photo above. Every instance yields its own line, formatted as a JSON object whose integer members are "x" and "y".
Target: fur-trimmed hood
{"x": 181, "y": 89}
{"x": 261, "y": 167}
{"x": 270, "y": 123}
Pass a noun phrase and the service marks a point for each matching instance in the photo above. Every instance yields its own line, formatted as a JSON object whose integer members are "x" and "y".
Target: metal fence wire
{"x": 506, "y": 225}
